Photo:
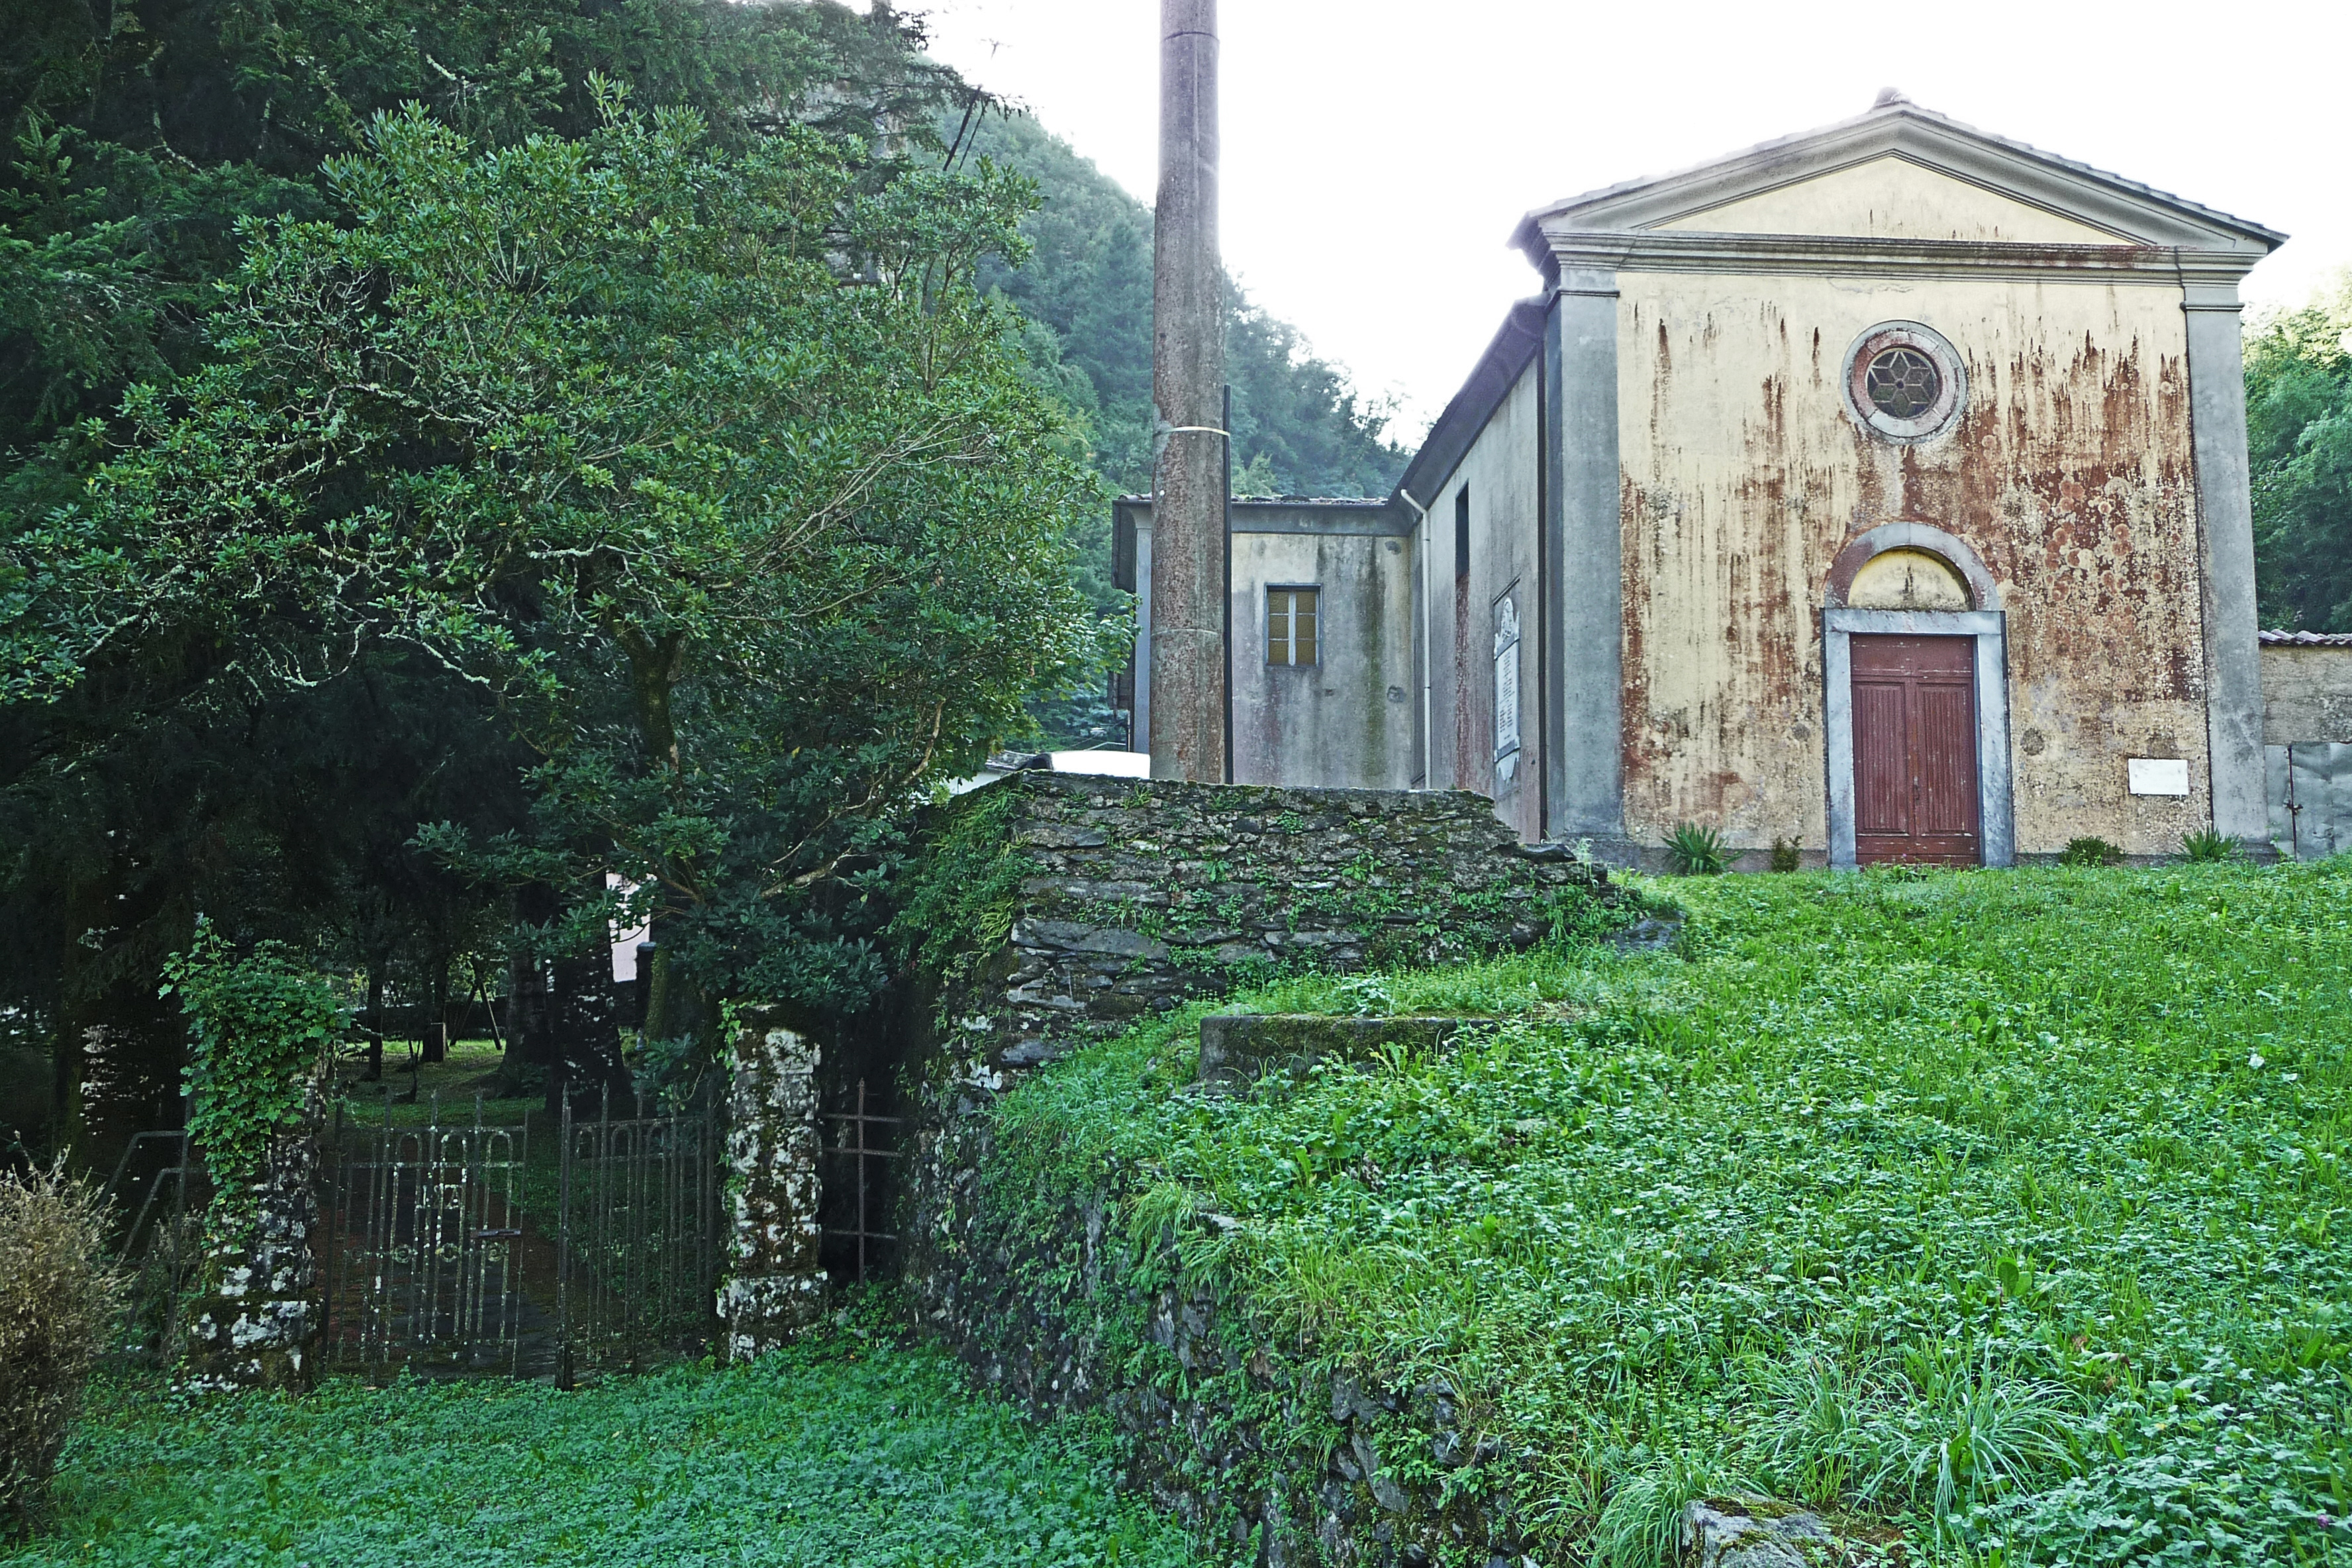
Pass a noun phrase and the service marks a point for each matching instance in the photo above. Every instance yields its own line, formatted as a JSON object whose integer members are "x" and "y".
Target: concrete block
{"x": 1239, "y": 1048}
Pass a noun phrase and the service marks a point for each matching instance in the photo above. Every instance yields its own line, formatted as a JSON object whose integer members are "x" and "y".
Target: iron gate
{"x": 422, "y": 1258}
{"x": 460, "y": 1245}
{"x": 160, "y": 1245}
{"x": 638, "y": 1210}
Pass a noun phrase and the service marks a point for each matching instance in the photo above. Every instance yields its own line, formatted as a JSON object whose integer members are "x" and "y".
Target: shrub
{"x": 2089, "y": 852}
{"x": 1785, "y": 852}
{"x": 1697, "y": 851}
{"x": 57, "y": 1295}
{"x": 2207, "y": 845}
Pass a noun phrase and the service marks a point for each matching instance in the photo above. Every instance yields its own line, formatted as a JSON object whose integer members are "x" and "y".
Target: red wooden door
{"x": 1915, "y": 749}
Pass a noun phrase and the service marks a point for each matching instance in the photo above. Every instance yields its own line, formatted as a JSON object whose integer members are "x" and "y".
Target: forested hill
{"x": 1300, "y": 426}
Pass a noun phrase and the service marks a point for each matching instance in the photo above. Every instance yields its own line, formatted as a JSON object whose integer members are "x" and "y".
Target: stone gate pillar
{"x": 257, "y": 1321}
{"x": 775, "y": 1287}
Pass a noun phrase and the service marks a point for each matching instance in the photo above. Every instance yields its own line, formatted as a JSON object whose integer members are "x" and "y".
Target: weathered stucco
{"x": 1500, "y": 470}
{"x": 2068, "y": 473}
{"x": 2307, "y": 694}
{"x": 1346, "y": 720}
{"x": 1891, "y": 197}
{"x": 1351, "y": 720}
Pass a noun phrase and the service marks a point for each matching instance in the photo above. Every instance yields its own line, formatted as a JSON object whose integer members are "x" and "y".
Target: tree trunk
{"x": 120, "y": 1047}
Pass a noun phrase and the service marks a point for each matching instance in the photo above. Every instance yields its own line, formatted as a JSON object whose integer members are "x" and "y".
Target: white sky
{"x": 1377, "y": 153}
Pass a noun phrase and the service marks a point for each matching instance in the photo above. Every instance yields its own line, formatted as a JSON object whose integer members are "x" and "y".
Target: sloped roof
{"x": 1896, "y": 126}
{"x": 2306, "y": 640}
{"x": 1490, "y": 381}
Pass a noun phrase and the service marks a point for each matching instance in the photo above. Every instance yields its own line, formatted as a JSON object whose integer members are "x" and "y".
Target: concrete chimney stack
{"x": 1187, "y": 373}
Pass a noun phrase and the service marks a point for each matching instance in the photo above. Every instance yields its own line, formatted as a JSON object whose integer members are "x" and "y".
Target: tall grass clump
{"x": 2207, "y": 847}
{"x": 57, "y": 1295}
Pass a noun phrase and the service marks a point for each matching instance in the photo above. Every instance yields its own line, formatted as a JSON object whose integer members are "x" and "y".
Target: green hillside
{"x": 1300, "y": 428}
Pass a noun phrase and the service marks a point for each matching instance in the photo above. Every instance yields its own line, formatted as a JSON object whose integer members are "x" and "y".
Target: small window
{"x": 1290, "y": 625}
{"x": 1905, "y": 382}
{"x": 1462, "y": 534}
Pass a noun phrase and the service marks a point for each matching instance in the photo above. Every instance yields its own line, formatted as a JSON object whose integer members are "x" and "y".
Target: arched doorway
{"x": 1915, "y": 665}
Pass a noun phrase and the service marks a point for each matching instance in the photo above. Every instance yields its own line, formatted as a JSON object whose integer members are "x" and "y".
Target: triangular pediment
{"x": 1901, "y": 173}
{"x": 1893, "y": 197}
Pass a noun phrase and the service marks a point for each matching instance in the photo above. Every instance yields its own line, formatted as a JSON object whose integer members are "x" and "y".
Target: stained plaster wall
{"x": 2306, "y": 695}
{"x": 1349, "y": 721}
{"x": 1500, "y": 469}
{"x": 1743, "y": 475}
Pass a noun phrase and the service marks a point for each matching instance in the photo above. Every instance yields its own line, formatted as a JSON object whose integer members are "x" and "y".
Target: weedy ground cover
{"x": 2010, "y": 1208}
{"x": 851, "y": 1449}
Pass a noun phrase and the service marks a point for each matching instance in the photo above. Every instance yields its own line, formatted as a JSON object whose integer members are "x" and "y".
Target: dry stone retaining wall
{"x": 1114, "y": 900}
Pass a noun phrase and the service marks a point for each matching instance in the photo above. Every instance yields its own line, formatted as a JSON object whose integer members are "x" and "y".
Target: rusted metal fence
{"x": 422, "y": 1243}
{"x": 163, "y": 1191}
{"x": 859, "y": 1163}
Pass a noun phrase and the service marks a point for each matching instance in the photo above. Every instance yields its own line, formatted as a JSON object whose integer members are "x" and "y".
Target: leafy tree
{"x": 265, "y": 748}
{"x": 145, "y": 132}
{"x": 711, "y": 466}
{"x": 177, "y": 774}
{"x": 2299, "y": 435}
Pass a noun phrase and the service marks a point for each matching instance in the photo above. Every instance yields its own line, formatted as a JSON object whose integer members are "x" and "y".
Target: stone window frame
{"x": 1505, "y": 762}
{"x": 1985, "y": 621}
{"x": 1289, "y": 641}
{"x": 1951, "y": 400}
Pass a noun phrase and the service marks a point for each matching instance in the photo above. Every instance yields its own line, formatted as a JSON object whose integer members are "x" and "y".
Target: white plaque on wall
{"x": 2159, "y": 776}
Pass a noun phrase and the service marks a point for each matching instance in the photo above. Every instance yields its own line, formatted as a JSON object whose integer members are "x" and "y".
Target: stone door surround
{"x": 1984, "y": 621}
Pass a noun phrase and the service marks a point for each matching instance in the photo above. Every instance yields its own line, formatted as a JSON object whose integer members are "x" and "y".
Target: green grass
{"x": 849, "y": 1450}
{"x": 2010, "y": 1208}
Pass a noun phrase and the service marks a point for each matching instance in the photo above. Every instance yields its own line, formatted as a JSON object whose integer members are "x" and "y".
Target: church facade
{"x": 1881, "y": 490}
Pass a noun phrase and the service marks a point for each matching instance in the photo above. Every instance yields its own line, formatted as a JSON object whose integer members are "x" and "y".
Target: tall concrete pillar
{"x": 1188, "y": 372}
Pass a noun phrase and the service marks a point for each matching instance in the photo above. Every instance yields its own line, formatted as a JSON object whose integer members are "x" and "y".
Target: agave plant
{"x": 2207, "y": 845}
{"x": 1697, "y": 851}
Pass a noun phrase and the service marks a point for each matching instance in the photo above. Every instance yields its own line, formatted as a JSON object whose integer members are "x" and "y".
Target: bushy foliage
{"x": 2299, "y": 440}
{"x": 57, "y": 1297}
{"x": 2005, "y": 1206}
{"x": 709, "y": 464}
{"x": 846, "y": 1449}
{"x": 141, "y": 147}
{"x": 2090, "y": 850}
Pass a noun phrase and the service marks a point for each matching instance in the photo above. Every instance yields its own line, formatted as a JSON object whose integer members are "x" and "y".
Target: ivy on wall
{"x": 961, "y": 901}
{"x": 260, "y": 1026}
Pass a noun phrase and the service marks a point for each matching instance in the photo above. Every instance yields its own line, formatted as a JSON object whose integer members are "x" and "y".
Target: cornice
{"x": 2211, "y": 275}
{"x": 2131, "y": 210}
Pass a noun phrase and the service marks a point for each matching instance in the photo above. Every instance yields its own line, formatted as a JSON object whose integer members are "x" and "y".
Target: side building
{"x": 1323, "y": 603}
